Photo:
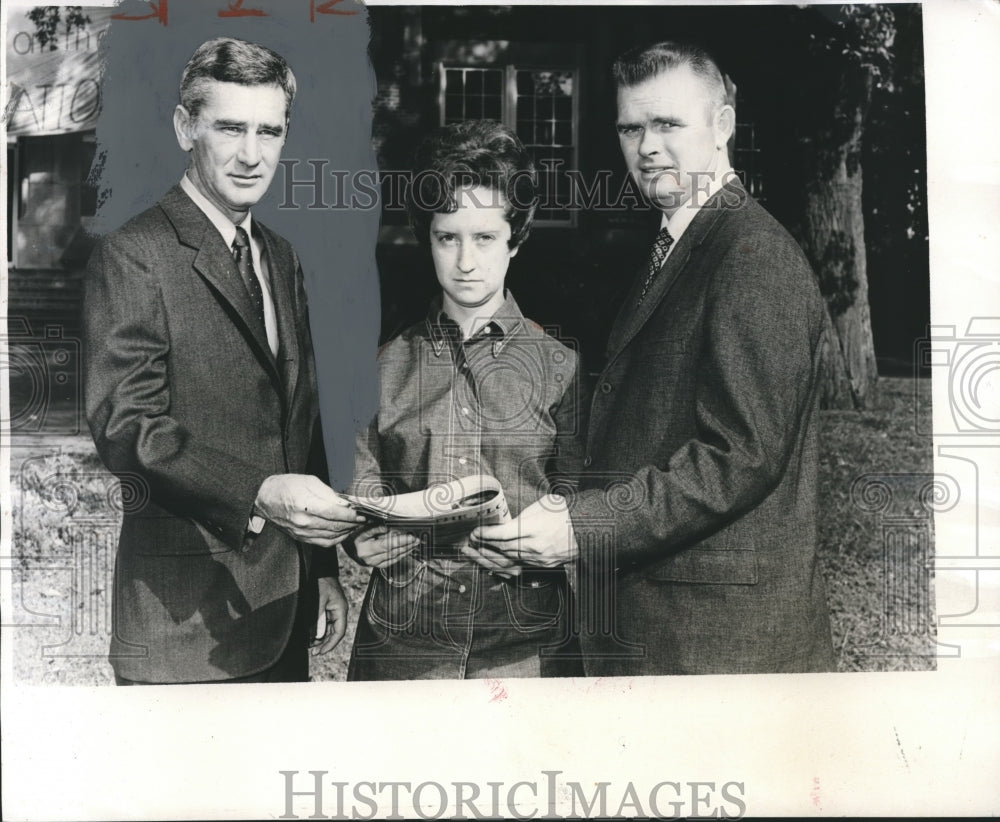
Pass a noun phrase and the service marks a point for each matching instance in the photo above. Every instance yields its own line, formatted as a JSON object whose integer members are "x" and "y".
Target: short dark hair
{"x": 228, "y": 60}
{"x": 642, "y": 63}
{"x": 469, "y": 154}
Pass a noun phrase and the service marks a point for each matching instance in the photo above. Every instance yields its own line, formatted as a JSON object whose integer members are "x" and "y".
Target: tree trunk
{"x": 833, "y": 237}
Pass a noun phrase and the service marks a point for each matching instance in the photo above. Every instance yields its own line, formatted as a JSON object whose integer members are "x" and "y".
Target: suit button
{"x": 606, "y": 387}
{"x": 588, "y": 461}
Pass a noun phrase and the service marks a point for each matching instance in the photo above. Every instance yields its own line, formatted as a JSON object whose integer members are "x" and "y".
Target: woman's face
{"x": 470, "y": 251}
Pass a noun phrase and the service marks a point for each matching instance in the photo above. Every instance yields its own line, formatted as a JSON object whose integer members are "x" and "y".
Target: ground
{"x": 875, "y": 549}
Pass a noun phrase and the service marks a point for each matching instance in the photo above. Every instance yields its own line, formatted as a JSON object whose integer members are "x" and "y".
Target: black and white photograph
{"x": 631, "y": 369}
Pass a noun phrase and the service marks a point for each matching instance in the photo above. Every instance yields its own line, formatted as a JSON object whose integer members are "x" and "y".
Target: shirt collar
{"x": 222, "y": 223}
{"x": 504, "y": 323}
{"x": 678, "y": 222}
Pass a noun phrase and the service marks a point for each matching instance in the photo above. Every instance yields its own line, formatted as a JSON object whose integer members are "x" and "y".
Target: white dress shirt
{"x": 227, "y": 229}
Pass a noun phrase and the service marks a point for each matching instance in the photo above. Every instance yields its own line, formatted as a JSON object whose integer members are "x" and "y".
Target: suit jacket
{"x": 697, "y": 514}
{"x": 189, "y": 407}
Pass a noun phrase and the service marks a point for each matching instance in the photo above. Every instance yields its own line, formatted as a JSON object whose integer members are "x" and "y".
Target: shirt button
{"x": 606, "y": 387}
{"x": 461, "y": 589}
{"x": 588, "y": 462}
{"x": 462, "y": 460}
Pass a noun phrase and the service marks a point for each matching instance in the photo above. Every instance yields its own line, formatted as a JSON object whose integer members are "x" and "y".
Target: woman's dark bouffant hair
{"x": 469, "y": 154}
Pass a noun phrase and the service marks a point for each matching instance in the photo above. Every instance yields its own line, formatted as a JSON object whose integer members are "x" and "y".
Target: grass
{"x": 66, "y": 517}
{"x": 876, "y": 559}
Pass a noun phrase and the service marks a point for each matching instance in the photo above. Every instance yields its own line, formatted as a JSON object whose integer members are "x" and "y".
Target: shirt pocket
{"x": 397, "y": 594}
{"x": 536, "y": 605}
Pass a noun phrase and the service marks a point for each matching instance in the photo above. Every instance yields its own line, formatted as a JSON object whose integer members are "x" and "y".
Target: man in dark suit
{"x": 201, "y": 392}
{"x": 695, "y": 520}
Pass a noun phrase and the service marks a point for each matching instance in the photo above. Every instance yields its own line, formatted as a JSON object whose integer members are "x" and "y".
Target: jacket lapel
{"x": 632, "y": 316}
{"x": 281, "y": 268}
{"x": 214, "y": 262}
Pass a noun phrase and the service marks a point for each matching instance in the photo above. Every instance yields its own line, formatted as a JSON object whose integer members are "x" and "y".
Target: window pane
{"x": 473, "y": 82}
{"x": 452, "y": 108}
{"x": 543, "y": 82}
{"x": 473, "y": 93}
{"x": 564, "y": 134}
{"x": 525, "y": 84}
{"x": 492, "y": 107}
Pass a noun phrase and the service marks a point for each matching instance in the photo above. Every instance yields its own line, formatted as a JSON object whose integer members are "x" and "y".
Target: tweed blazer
{"x": 697, "y": 514}
{"x": 187, "y": 404}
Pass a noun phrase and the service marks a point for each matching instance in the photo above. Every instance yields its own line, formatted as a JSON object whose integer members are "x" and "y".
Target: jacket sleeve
{"x": 756, "y": 380}
{"x": 127, "y": 389}
{"x": 325, "y": 561}
{"x": 568, "y": 414}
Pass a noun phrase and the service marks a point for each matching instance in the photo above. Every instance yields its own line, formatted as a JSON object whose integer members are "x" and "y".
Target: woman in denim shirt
{"x": 474, "y": 388}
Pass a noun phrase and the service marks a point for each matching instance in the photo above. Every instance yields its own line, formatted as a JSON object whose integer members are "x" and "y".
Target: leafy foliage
{"x": 47, "y": 18}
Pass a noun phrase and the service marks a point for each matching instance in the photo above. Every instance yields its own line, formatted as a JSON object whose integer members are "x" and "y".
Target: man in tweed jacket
{"x": 695, "y": 522}
{"x": 201, "y": 390}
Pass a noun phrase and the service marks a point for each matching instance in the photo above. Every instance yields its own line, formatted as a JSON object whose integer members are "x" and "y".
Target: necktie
{"x": 244, "y": 262}
{"x": 657, "y": 254}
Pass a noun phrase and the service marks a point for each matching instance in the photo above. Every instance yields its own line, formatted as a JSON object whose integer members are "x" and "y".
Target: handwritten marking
{"x": 236, "y": 10}
{"x": 498, "y": 693}
{"x": 159, "y": 12}
{"x": 326, "y": 8}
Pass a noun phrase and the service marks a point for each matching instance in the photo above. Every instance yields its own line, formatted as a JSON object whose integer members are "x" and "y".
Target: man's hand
{"x": 331, "y": 624}
{"x": 492, "y": 560}
{"x": 541, "y": 536}
{"x": 306, "y": 509}
{"x": 379, "y": 545}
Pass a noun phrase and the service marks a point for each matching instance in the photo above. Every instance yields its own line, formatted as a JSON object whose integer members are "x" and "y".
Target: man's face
{"x": 670, "y": 134}
{"x": 235, "y": 143}
{"x": 470, "y": 252}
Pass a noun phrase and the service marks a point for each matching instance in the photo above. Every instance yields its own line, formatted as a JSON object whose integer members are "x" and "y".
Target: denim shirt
{"x": 503, "y": 403}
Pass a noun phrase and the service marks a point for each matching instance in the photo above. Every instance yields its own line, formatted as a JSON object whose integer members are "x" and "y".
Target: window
{"x": 540, "y": 104}
{"x": 746, "y": 161}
